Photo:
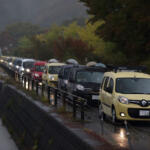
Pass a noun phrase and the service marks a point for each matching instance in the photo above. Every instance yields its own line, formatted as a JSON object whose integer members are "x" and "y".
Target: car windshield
{"x": 39, "y": 68}
{"x": 89, "y": 76}
{"x": 18, "y": 62}
{"x": 28, "y": 64}
{"x": 133, "y": 85}
{"x": 54, "y": 69}
{"x": 66, "y": 73}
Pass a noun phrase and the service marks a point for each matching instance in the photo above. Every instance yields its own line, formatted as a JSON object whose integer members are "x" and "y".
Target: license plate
{"x": 144, "y": 113}
{"x": 95, "y": 97}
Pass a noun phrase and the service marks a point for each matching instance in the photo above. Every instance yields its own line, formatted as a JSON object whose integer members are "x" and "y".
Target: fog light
{"x": 122, "y": 114}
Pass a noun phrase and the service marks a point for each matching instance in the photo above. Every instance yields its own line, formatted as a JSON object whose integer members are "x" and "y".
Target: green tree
{"x": 127, "y": 23}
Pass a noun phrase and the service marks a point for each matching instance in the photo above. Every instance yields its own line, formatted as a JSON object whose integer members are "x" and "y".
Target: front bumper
{"x": 53, "y": 83}
{"x": 132, "y": 112}
{"x": 92, "y": 98}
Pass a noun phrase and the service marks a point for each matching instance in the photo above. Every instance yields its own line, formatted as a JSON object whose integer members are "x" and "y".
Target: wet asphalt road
{"x": 137, "y": 137}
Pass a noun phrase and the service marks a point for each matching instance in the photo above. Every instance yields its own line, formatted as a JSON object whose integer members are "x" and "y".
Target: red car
{"x": 38, "y": 69}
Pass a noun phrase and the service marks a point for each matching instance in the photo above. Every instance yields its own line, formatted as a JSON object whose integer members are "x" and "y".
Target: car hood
{"x": 39, "y": 73}
{"x": 93, "y": 86}
{"x": 136, "y": 96}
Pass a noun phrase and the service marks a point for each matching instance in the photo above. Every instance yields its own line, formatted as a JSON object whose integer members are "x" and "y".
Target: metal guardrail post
{"x": 48, "y": 94}
{"x": 37, "y": 87}
{"x": 16, "y": 77}
{"x": 43, "y": 87}
{"x": 64, "y": 99}
{"x": 29, "y": 84}
{"x": 19, "y": 77}
{"x": 82, "y": 110}
{"x": 74, "y": 107}
{"x": 24, "y": 82}
{"x": 22, "y": 78}
{"x": 56, "y": 97}
{"x": 32, "y": 85}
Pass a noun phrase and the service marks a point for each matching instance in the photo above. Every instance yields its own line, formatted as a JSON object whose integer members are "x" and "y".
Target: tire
{"x": 101, "y": 113}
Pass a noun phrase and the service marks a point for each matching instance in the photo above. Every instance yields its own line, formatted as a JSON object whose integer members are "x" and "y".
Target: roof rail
{"x": 127, "y": 68}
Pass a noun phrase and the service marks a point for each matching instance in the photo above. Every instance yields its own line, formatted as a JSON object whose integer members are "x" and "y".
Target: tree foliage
{"x": 127, "y": 23}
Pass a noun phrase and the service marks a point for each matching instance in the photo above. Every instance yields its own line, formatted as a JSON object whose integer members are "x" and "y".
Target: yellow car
{"x": 125, "y": 96}
{"x": 50, "y": 75}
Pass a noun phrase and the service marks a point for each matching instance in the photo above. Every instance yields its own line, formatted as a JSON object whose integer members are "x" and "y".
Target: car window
{"x": 61, "y": 72}
{"x": 89, "y": 76}
{"x": 110, "y": 85}
{"x": 39, "y": 68}
{"x": 133, "y": 85}
{"x": 106, "y": 83}
{"x": 103, "y": 82}
{"x": 66, "y": 73}
{"x": 71, "y": 74}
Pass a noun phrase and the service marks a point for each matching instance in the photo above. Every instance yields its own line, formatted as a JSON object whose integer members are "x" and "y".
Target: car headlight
{"x": 123, "y": 100}
{"x": 66, "y": 81}
{"x": 10, "y": 63}
{"x": 17, "y": 67}
{"x": 52, "y": 78}
{"x": 36, "y": 75}
{"x": 28, "y": 70}
{"x": 22, "y": 69}
{"x": 40, "y": 83}
{"x": 80, "y": 87}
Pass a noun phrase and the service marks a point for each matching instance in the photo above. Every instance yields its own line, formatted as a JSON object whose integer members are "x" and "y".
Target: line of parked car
{"x": 122, "y": 93}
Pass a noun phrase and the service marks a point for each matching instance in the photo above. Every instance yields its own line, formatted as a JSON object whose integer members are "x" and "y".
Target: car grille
{"x": 143, "y": 103}
{"x": 134, "y": 113}
{"x": 91, "y": 91}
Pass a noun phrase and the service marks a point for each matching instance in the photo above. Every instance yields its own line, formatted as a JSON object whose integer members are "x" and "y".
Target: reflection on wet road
{"x": 137, "y": 136}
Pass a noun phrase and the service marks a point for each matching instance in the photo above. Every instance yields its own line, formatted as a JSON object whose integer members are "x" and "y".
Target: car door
{"x": 109, "y": 95}
{"x": 44, "y": 74}
{"x": 104, "y": 96}
{"x": 70, "y": 82}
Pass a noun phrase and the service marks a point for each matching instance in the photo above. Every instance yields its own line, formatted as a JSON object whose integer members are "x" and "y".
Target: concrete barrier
{"x": 35, "y": 128}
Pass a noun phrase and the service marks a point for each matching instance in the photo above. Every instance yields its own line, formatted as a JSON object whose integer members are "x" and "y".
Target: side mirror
{"x": 59, "y": 76}
{"x": 45, "y": 71}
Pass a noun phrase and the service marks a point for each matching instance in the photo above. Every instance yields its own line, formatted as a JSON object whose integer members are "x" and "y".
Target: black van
{"x": 63, "y": 76}
{"x": 85, "y": 82}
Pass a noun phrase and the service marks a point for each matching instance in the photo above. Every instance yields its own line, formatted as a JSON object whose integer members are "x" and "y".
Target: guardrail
{"x": 77, "y": 103}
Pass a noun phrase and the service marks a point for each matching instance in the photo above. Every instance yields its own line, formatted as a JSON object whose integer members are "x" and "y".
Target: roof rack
{"x": 127, "y": 68}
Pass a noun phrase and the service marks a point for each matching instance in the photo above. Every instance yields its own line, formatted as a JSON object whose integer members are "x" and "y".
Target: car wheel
{"x": 101, "y": 112}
